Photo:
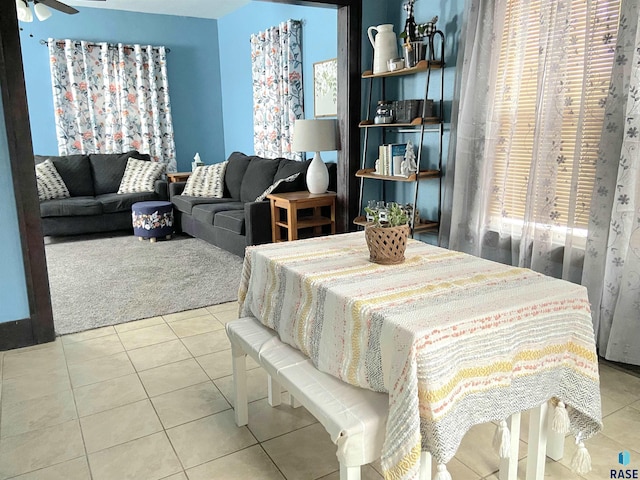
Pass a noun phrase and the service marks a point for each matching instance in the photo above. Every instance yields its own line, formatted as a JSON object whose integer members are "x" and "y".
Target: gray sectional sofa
{"x": 237, "y": 220}
{"x": 94, "y": 205}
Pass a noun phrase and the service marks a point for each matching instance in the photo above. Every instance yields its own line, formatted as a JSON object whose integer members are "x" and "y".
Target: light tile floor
{"x": 151, "y": 400}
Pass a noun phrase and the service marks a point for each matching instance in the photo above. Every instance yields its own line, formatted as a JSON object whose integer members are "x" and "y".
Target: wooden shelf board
{"x": 423, "y": 227}
{"x": 422, "y": 66}
{"x": 362, "y": 221}
{"x": 308, "y": 222}
{"x": 416, "y": 122}
{"x": 369, "y": 173}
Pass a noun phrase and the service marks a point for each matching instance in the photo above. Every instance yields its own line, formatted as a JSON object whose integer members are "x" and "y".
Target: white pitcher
{"x": 385, "y": 46}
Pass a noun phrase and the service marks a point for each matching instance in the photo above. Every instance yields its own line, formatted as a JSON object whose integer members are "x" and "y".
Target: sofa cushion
{"x": 286, "y": 168}
{"x": 205, "y": 213}
{"x": 231, "y": 220}
{"x": 70, "y": 207}
{"x": 108, "y": 168}
{"x": 75, "y": 171}
{"x": 258, "y": 177}
{"x": 236, "y": 168}
{"x": 50, "y": 183}
{"x": 140, "y": 176}
{"x": 185, "y": 204}
{"x": 121, "y": 202}
{"x": 206, "y": 181}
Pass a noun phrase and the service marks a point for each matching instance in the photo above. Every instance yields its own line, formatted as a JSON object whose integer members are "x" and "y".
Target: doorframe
{"x": 38, "y": 327}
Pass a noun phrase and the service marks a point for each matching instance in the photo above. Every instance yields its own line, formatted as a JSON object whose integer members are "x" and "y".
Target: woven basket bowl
{"x": 387, "y": 245}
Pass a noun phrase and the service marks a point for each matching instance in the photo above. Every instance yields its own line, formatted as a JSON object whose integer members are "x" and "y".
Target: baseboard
{"x": 16, "y": 334}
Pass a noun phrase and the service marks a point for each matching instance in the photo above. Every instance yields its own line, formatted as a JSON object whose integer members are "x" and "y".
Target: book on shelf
{"x": 390, "y": 158}
{"x": 396, "y": 152}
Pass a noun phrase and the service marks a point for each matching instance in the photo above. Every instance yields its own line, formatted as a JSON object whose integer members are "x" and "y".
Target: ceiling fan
{"x": 42, "y": 9}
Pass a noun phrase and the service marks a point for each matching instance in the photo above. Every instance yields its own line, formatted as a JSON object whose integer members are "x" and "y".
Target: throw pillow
{"x": 50, "y": 183}
{"x": 274, "y": 187}
{"x": 140, "y": 176}
{"x": 206, "y": 181}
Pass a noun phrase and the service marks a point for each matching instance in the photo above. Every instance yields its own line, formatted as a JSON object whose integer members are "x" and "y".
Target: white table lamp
{"x": 315, "y": 136}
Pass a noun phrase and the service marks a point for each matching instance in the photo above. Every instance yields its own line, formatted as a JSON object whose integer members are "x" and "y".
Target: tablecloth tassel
{"x": 442, "y": 473}
{"x": 502, "y": 439}
{"x": 560, "y": 422}
{"x": 581, "y": 461}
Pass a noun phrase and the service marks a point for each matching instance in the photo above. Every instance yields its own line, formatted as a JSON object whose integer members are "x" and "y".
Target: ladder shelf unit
{"x": 419, "y": 126}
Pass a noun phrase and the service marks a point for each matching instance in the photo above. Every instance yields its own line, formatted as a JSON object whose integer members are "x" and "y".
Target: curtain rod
{"x": 45, "y": 42}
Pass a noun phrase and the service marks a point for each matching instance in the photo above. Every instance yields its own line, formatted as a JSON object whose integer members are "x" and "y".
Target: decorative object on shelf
{"x": 410, "y": 158}
{"x": 196, "y": 162}
{"x": 387, "y": 239}
{"x": 413, "y": 53}
{"x": 315, "y": 136}
{"x": 325, "y": 88}
{"x": 395, "y": 64}
{"x": 370, "y": 209}
{"x": 427, "y": 29}
{"x": 384, "y": 112}
{"x": 414, "y": 50}
{"x": 384, "y": 47}
{"x": 410, "y": 27}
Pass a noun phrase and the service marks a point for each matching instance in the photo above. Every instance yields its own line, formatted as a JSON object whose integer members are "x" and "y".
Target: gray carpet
{"x": 105, "y": 281}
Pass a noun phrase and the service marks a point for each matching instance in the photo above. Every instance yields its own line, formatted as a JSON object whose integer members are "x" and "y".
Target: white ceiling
{"x": 183, "y": 8}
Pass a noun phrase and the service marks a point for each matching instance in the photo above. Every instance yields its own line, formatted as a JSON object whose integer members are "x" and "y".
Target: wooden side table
{"x": 292, "y": 202}
{"x": 178, "y": 177}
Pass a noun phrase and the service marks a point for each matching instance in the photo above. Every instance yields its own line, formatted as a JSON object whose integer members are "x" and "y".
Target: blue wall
{"x": 193, "y": 67}
{"x": 14, "y": 304}
{"x": 319, "y": 42}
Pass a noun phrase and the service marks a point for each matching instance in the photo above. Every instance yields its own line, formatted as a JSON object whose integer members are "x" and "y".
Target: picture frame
{"x": 325, "y": 88}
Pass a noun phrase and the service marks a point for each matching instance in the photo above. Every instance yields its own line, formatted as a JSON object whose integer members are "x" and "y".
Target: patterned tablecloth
{"x": 454, "y": 339}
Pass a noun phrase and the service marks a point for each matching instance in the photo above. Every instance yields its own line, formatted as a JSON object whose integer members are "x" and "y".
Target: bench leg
{"x": 555, "y": 440}
{"x": 293, "y": 402}
{"x": 349, "y": 473}
{"x": 425, "y": 466}
{"x": 240, "y": 385}
{"x": 274, "y": 392}
{"x": 509, "y": 466}
{"x": 536, "y": 456}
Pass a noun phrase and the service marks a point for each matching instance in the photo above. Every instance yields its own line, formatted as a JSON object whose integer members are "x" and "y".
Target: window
{"x": 551, "y": 85}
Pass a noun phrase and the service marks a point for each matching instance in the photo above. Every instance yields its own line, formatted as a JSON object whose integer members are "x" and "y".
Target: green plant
{"x": 396, "y": 216}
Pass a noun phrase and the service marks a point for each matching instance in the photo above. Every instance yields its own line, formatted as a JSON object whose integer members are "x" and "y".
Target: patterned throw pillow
{"x": 140, "y": 176}
{"x": 206, "y": 181}
{"x": 50, "y": 183}
{"x": 273, "y": 187}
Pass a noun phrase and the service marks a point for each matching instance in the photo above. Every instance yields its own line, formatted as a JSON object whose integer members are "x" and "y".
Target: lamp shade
{"x": 42, "y": 11}
{"x": 24, "y": 12}
{"x": 314, "y": 136}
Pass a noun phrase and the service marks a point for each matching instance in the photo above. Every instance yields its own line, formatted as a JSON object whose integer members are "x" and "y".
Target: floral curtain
{"x": 276, "y": 66}
{"x": 603, "y": 253}
{"x": 612, "y": 263}
{"x": 111, "y": 99}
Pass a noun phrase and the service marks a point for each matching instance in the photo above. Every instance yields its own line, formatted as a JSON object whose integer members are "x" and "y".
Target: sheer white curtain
{"x": 612, "y": 263}
{"x": 531, "y": 91}
{"x": 111, "y": 99}
{"x": 544, "y": 165}
{"x": 276, "y": 67}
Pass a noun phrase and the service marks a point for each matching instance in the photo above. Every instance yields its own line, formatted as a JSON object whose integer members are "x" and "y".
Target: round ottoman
{"x": 152, "y": 220}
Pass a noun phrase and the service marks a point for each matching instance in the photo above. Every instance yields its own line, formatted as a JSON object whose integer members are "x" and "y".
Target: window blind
{"x": 588, "y": 37}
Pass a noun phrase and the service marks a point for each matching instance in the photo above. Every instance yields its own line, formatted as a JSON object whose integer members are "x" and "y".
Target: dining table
{"x": 455, "y": 340}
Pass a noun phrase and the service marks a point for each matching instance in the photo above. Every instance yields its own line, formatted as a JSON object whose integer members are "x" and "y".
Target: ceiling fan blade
{"x": 56, "y": 5}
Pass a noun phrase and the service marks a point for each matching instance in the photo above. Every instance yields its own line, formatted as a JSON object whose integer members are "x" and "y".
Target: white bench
{"x": 355, "y": 418}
